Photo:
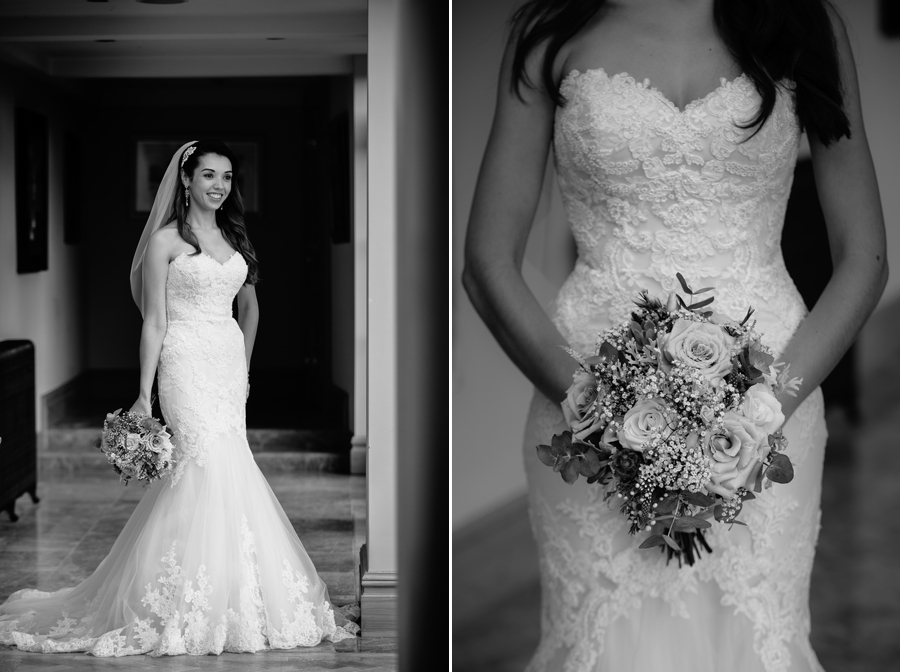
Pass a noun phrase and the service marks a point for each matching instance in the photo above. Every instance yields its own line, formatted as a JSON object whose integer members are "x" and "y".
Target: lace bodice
{"x": 194, "y": 293}
{"x": 203, "y": 361}
{"x": 650, "y": 190}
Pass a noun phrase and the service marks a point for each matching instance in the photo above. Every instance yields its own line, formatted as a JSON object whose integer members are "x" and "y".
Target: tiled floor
{"x": 60, "y": 541}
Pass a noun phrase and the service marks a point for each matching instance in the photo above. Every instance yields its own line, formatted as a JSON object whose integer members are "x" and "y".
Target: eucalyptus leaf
{"x": 635, "y": 329}
{"x": 667, "y": 505}
{"x": 684, "y": 284}
{"x": 561, "y": 443}
{"x": 591, "y": 461}
{"x": 672, "y": 544}
{"x": 698, "y": 499}
{"x": 608, "y": 351}
{"x": 780, "y": 470}
{"x": 655, "y": 540}
{"x": 584, "y": 468}
{"x": 700, "y": 304}
{"x": 683, "y": 523}
{"x": 545, "y": 455}
{"x": 570, "y": 470}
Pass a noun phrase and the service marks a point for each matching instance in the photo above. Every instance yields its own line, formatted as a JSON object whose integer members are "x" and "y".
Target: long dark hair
{"x": 770, "y": 39}
{"x": 229, "y": 217}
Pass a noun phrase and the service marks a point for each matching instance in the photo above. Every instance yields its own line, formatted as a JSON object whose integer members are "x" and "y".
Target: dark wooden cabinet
{"x": 18, "y": 440}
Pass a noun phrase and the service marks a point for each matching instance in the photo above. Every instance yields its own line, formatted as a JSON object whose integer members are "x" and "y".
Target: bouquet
{"x": 676, "y": 415}
{"x": 137, "y": 446}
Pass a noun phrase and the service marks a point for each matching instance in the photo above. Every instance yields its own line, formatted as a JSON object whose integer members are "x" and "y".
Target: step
{"x": 75, "y": 450}
{"x": 85, "y": 439}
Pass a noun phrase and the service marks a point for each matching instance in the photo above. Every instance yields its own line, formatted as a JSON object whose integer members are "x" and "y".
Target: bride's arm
{"x": 155, "y": 271}
{"x": 506, "y": 196}
{"x": 248, "y": 317}
{"x": 848, "y": 193}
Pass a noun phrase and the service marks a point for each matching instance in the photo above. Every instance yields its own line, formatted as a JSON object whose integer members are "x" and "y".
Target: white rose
{"x": 700, "y": 345}
{"x": 579, "y": 406}
{"x": 734, "y": 453}
{"x": 761, "y": 406}
{"x": 642, "y": 423}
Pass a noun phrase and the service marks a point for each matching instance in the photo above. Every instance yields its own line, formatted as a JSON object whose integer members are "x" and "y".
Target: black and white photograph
{"x": 675, "y": 360}
{"x": 223, "y": 226}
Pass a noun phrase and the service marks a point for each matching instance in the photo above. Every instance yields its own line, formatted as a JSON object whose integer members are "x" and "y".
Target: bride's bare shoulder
{"x": 166, "y": 240}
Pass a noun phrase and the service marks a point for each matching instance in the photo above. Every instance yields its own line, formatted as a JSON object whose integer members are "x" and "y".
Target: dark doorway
{"x": 289, "y": 121}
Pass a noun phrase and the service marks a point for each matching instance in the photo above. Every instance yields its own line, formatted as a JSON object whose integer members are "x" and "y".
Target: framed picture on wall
{"x": 152, "y": 157}
{"x": 31, "y": 146}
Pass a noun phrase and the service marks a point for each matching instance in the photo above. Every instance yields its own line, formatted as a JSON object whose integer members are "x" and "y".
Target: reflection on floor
{"x": 855, "y": 593}
{"x": 60, "y": 541}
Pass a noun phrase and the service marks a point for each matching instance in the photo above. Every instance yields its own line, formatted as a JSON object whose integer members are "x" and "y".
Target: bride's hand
{"x": 141, "y": 406}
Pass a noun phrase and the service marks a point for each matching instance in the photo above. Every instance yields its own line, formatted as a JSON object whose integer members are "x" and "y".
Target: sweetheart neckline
{"x": 724, "y": 83}
{"x": 204, "y": 254}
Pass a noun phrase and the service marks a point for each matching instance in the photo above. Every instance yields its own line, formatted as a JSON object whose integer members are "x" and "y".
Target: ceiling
{"x": 197, "y": 38}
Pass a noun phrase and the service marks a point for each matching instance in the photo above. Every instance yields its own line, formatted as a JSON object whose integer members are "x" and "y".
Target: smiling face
{"x": 211, "y": 182}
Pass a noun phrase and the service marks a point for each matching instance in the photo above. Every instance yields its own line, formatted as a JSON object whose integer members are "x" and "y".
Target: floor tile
{"x": 60, "y": 541}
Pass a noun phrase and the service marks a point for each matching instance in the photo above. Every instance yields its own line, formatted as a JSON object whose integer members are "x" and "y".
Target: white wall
{"x": 41, "y": 307}
{"x": 490, "y": 396}
{"x": 382, "y": 356}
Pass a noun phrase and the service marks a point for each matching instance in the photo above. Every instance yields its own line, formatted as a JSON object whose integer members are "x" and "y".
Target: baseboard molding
{"x": 493, "y": 557}
{"x": 358, "y": 452}
{"x": 65, "y": 400}
{"x": 378, "y": 600}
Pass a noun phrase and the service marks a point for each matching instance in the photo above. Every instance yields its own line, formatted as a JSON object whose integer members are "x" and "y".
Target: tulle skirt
{"x": 207, "y": 564}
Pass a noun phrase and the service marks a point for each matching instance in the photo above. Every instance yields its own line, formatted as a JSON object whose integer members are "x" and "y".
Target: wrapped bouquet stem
{"x": 676, "y": 415}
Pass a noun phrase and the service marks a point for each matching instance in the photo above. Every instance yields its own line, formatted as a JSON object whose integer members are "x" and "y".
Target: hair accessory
{"x": 187, "y": 153}
{"x": 187, "y": 200}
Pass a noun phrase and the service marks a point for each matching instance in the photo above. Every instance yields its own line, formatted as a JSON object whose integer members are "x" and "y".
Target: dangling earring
{"x": 186, "y": 199}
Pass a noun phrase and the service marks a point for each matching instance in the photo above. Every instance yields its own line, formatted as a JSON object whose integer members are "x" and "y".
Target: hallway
{"x": 59, "y": 541}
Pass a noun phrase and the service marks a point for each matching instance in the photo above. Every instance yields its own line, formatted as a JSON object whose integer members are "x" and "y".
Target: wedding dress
{"x": 650, "y": 190}
{"x": 208, "y": 561}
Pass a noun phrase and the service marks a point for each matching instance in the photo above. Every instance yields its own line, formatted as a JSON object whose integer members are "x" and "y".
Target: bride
{"x": 675, "y": 128}
{"x": 208, "y": 561}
